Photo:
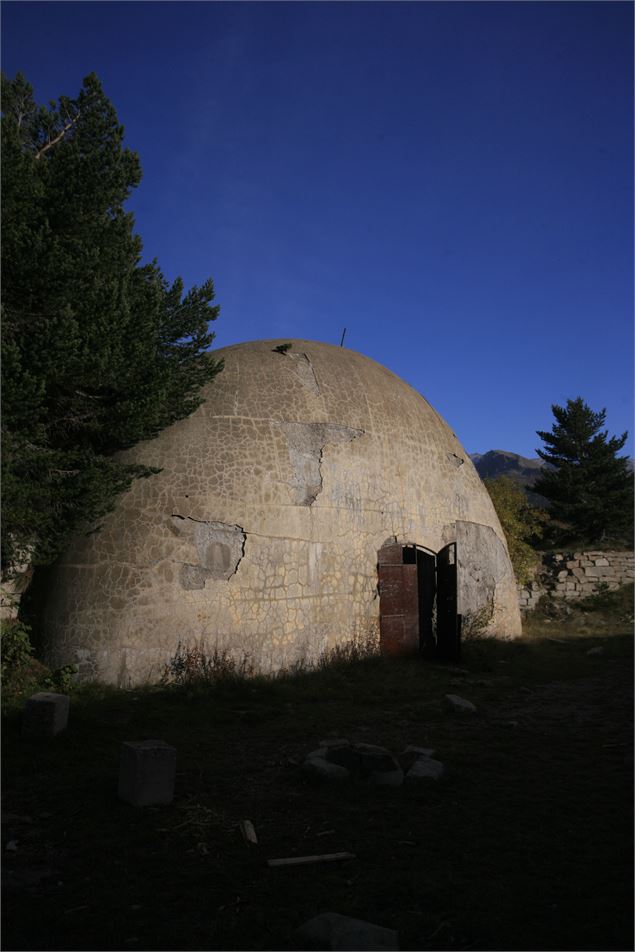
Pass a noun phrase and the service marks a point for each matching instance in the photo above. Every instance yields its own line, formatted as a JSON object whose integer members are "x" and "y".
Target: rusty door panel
{"x": 399, "y": 608}
{"x": 398, "y": 589}
{"x": 391, "y": 554}
{"x": 399, "y": 634}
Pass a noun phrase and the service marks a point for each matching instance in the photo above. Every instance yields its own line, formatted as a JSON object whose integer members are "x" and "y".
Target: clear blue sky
{"x": 451, "y": 182}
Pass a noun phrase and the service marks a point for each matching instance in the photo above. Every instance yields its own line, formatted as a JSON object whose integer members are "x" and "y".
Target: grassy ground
{"x": 526, "y": 844}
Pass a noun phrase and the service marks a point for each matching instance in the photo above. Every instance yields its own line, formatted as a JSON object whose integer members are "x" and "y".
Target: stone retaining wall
{"x": 572, "y": 575}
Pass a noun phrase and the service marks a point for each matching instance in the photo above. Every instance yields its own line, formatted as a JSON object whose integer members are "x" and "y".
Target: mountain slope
{"x": 520, "y": 469}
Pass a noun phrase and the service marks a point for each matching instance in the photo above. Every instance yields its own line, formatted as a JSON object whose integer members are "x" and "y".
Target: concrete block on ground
{"x": 146, "y": 772}
{"x": 45, "y": 714}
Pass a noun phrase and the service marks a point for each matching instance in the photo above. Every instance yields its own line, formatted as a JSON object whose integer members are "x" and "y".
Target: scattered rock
{"x": 17, "y": 880}
{"x": 386, "y": 778}
{"x": 333, "y": 931}
{"x": 595, "y": 651}
{"x": 425, "y": 768}
{"x": 341, "y": 760}
{"x": 317, "y": 765}
{"x": 460, "y": 704}
{"x": 375, "y": 759}
{"x": 344, "y": 755}
{"x": 408, "y": 756}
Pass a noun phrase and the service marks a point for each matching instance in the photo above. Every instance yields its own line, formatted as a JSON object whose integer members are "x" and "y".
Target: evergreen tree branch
{"x": 58, "y": 138}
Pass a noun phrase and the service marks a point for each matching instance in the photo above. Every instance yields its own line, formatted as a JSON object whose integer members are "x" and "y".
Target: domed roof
{"x": 260, "y": 533}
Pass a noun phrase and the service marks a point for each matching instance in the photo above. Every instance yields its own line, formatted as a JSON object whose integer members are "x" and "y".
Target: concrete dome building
{"x": 312, "y": 499}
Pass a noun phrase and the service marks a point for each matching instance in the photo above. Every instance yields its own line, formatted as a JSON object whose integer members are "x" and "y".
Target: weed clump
{"x": 192, "y": 665}
{"x": 360, "y": 649}
{"x": 475, "y": 624}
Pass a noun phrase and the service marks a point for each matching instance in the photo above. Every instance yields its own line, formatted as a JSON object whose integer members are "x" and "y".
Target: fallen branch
{"x": 305, "y": 860}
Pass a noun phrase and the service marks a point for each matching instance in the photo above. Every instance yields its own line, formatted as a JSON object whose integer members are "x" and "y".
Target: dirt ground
{"x": 526, "y": 843}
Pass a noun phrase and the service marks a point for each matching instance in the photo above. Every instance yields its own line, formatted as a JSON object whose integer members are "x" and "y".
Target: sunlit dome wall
{"x": 260, "y": 534}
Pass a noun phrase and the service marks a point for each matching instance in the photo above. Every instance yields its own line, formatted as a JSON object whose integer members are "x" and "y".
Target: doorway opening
{"x": 418, "y": 601}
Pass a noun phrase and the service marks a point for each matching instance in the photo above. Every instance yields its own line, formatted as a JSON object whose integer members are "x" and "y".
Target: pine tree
{"x": 589, "y": 487}
{"x": 99, "y": 350}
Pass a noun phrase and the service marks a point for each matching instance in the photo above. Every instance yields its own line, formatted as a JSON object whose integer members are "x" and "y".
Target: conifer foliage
{"x": 589, "y": 487}
{"x": 99, "y": 350}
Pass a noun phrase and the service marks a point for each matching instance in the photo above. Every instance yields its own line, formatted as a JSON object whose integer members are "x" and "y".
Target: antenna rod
{"x": 343, "y": 336}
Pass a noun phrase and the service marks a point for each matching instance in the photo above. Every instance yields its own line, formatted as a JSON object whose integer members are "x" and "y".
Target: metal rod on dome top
{"x": 343, "y": 336}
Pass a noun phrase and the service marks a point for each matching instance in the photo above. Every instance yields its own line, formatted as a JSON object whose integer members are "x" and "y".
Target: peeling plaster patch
{"x": 219, "y": 549}
{"x": 305, "y": 373}
{"x": 306, "y": 442}
{"x": 455, "y": 460}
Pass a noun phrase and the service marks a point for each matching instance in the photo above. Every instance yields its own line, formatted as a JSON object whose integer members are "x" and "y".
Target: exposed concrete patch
{"x": 306, "y": 442}
{"x": 219, "y": 549}
{"x": 304, "y": 371}
{"x": 485, "y": 575}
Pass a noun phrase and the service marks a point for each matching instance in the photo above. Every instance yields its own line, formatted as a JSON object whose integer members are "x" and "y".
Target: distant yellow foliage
{"x": 521, "y": 523}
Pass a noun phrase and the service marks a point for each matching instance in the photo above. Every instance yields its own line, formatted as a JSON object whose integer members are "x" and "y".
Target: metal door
{"x": 426, "y": 583}
{"x": 448, "y": 621}
{"x": 398, "y": 600}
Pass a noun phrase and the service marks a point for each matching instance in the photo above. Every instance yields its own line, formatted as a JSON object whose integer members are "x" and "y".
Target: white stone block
{"x": 146, "y": 772}
{"x": 45, "y": 714}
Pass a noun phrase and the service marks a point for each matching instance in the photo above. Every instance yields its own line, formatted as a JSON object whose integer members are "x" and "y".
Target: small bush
{"x": 475, "y": 624}
{"x": 604, "y": 599}
{"x": 61, "y": 679}
{"x": 16, "y": 647}
{"x": 21, "y": 672}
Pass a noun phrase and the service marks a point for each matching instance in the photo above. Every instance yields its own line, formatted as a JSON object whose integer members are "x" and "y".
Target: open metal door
{"x": 448, "y": 621}
{"x": 398, "y": 600}
{"x": 427, "y": 586}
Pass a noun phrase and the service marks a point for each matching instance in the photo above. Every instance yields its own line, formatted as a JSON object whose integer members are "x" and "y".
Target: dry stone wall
{"x": 573, "y": 575}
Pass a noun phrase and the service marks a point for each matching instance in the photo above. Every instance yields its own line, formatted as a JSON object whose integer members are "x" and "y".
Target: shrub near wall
{"x": 573, "y": 575}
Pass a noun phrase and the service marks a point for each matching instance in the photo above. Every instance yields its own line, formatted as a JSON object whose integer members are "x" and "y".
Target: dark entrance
{"x": 418, "y": 601}
{"x": 448, "y": 621}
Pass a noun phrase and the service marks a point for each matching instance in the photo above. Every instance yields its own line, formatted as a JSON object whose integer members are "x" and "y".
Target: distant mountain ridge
{"x": 503, "y": 462}
{"x": 520, "y": 469}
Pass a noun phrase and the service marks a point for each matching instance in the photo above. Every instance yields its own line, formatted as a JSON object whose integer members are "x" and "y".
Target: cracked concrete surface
{"x": 305, "y": 372}
{"x": 260, "y": 533}
{"x": 219, "y": 549}
{"x": 306, "y": 443}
